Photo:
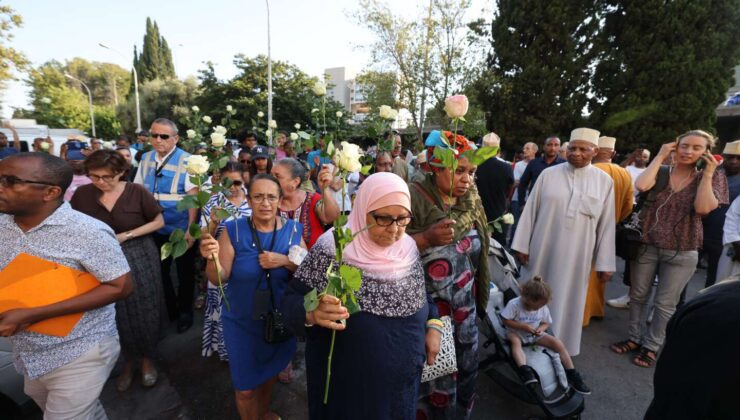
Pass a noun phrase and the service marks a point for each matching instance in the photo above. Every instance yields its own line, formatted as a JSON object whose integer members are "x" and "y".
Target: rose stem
{"x": 328, "y": 366}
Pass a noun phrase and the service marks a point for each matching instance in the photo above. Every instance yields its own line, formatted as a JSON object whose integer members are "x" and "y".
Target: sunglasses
{"x": 161, "y": 136}
{"x": 10, "y": 181}
{"x": 237, "y": 183}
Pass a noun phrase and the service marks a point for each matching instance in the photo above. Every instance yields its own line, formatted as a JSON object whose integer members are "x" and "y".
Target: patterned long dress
{"x": 213, "y": 339}
{"x": 449, "y": 273}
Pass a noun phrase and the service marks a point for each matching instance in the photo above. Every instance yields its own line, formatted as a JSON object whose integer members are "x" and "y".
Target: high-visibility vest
{"x": 168, "y": 187}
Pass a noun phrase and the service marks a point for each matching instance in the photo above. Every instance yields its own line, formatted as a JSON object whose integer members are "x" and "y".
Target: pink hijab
{"x": 377, "y": 191}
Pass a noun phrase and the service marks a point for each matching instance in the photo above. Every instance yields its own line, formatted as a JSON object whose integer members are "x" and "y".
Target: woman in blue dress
{"x": 252, "y": 276}
{"x": 379, "y": 355}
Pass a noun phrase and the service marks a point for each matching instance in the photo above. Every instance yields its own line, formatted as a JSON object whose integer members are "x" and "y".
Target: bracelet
{"x": 435, "y": 321}
{"x": 436, "y": 328}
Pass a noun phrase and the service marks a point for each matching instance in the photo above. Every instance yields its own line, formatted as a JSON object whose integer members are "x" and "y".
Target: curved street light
{"x": 136, "y": 87}
{"x": 269, "y": 70}
{"x": 89, "y": 95}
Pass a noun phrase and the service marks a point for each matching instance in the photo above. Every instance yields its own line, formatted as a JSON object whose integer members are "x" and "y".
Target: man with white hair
{"x": 495, "y": 180}
{"x": 566, "y": 228}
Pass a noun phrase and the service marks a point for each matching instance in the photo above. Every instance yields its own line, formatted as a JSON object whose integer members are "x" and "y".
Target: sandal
{"x": 624, "y": 347}
{"x": 644, "y": 358}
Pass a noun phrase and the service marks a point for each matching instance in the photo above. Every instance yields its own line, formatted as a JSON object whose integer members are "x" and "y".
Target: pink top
{"x": 77, "y": 181}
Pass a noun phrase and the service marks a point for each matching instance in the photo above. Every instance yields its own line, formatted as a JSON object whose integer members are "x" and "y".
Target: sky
{"x": 312, "y": 34}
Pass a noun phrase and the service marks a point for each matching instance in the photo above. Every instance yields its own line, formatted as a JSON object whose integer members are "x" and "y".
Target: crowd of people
{"x": 422, "y": 235}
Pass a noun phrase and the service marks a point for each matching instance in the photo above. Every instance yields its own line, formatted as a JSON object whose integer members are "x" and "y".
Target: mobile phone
{"x": 701, "y": 163}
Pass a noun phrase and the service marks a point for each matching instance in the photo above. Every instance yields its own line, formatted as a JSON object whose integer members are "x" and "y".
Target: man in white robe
{"x": 567, "y": 227}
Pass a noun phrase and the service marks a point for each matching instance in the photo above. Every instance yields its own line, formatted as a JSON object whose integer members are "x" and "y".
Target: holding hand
{"x": 208, "y": 246}
{"x": 432, "y": 344}
{"x": 270, "y": 260}
{"x": 711, "y": 163}
{"x": 441, "y": 233}
{"x": 325, "y": 177}
{"x": 329, "y": 311}
{"x": 14, "y": 321}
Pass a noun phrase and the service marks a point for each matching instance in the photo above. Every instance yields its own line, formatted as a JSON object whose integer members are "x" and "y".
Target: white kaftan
{"x": 727, "y": 266}
{"x": 566, "y": 227}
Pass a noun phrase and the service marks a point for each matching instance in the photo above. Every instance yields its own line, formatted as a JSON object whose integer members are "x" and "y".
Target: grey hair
{"x": 167, "y": 122}
{"x": 533, "y": 144}
{"x": 296, "y": 168}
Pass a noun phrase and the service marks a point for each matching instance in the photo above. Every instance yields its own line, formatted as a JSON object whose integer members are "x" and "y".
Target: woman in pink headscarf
{"x": 379, "y": 355}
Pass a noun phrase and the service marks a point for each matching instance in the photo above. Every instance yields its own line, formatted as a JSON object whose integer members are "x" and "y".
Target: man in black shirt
{"x": 550, "y": 157}
{"x": 495, "y": 180}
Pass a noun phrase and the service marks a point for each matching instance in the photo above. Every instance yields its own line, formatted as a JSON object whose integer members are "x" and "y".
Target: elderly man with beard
{"x": 566, "y": 228}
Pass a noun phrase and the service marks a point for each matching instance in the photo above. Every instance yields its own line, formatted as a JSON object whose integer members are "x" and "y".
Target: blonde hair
{"x": 711, "y": 140}
{"x": 536, "y": 290}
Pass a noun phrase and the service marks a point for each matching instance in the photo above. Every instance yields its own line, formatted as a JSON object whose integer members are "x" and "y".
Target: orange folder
{"x": 29, "y": 282}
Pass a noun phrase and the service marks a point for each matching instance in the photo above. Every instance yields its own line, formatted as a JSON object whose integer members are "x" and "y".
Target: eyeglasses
{"x": 104, "y": 178}
{"x": 161, "y": 136}
{"x": 386, "y": 221}
{"x": 260, "y": 198}
{"x": 245, "y": 161}
{"x": 237, "y": 183}
{"x": 10, "y": 181}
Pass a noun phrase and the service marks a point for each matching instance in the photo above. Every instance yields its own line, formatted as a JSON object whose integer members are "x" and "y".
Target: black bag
{"x": 628, "y": 234}
{"x": 275, "y": 329}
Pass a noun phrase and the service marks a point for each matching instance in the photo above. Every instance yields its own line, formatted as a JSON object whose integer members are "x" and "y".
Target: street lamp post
{"x": 136, "y": 88}
{"x": 269, "y": 67}
{"x": 89, "y": 96}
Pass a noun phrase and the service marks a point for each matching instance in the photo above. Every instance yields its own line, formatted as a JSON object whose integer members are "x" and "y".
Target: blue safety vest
{"x": 168, "y": 187}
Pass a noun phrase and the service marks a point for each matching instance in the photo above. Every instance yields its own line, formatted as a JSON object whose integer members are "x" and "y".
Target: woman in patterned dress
{"x": 235, "y": 203}
{"x": 456, "y": 273}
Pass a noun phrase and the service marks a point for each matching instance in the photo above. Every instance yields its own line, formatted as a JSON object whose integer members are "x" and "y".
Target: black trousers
{"x": 182, "y": 302}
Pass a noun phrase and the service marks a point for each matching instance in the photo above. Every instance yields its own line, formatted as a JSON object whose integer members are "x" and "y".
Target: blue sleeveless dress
{"x": 252, "y": 360}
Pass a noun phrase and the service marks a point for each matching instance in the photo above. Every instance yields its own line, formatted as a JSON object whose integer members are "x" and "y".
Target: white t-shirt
{"x": 634, "y": 172}
{"x": 519, "y": 168}
{"x": 515, "y": 311}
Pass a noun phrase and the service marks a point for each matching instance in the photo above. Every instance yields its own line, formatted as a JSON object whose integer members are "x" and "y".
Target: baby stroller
{"x": 554, "y": 396}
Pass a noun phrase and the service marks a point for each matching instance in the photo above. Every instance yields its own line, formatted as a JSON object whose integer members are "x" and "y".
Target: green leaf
{"x": 351, "y": 304}
{"x": 195, "y": 231}
{"x": 303, "y": 135}
{"x": 223, "y": 161}
{"x": 227, "y": 182}
{"x": 177, "y": 235}
{"x": 446, "y": 156}
{"x": 166, "y": 251}
{"x": 366, "y": 170}
{"x": 179, "y": 248}
{"x": 352, "y": 276}
{"x": 334, "y": 283}
{"x": 196, "y": 179}
{"x": 477, "y": 157}
{"x": 311, "y": 301}
{"x": 187, "y": 202}
{"x": 386, "y": 145}
{"x": 203, "y": 198}
{"x": 222, "y": 214}
{"x": 341, "y": 220}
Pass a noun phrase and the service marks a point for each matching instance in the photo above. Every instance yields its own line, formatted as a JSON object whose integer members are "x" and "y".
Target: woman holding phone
{"x": 671, "y": 235}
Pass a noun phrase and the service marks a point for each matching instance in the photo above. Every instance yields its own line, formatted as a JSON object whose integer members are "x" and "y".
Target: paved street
{"x": 193, "y": 387}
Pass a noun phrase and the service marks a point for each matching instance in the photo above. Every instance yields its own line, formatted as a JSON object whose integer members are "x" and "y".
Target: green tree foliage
{"x": 378, "y": 88}
{"x": 155, "y": 60}
{"x": 10, "y": 58}
{"x": 246, "y": 92}
{"x": 664, "y": 67}
{"x": 107, "y": 82}
{"x": 538, "y": 76}
{"x": 170, "y": 98}
{"x": 107, "y": 125}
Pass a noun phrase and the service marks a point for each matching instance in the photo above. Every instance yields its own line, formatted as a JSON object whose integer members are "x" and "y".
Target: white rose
{"x": 456, "y": 106}
{"x": 315, "y": 110}
{"x": 190, "y": 134}
{"x": 218, "y": 139}
{"x": 272, "y": 124}
{"x": 268, "y": 133}
{"x": 319, "y": 88}
{"x": 229, "y": 108}
{"x": 508, "y": 219}
{"x": 195, "y": 109}
{"x": 207, "y": 119}
{"x": 339, "y": 114}
{"x": 297, "y": 126}
{"x": 294, "y": 136}
{"x": 44, "y": 145}
{"x": 45, "y": 100}
{"x": 108, "y": 145}
{"x": 387, "y": 113}
{"x": 220, "y": 129}
{"x": 196, "y": 165}
{"x": 348, "y": 158}
{"x": 260, "y": 114}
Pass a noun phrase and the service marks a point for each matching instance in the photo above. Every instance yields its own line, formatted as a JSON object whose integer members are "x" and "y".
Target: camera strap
{"x": 258, "y": 244}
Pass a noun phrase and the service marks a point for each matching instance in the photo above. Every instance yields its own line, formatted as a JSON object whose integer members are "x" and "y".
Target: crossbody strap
{"x": 258, "y": 244}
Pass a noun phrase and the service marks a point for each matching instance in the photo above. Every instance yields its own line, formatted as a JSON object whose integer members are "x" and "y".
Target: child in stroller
{"x": 527, "y": 319}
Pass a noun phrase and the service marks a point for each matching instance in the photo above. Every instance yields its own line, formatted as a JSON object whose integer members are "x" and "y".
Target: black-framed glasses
{"x": 237, "y": 183}
{"x": 161, "y": 136}
{"x": 260, "y": 198}
{"x": 386, "y": 221}
{"x": 104, "y": 178}
{"x": 10, "y": 181}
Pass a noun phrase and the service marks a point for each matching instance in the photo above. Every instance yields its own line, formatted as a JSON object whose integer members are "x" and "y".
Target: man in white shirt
{"x": 636, "y": 164}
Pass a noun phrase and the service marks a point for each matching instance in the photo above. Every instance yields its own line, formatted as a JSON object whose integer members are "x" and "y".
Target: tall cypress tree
{"x": 539, "y": 67}
{"x": 664, "y": 67}
{"x": 155, "y": 60}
